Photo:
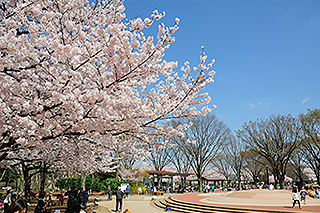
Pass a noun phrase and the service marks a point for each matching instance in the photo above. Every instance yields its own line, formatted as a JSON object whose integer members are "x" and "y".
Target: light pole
{"x": 267, "y": 179}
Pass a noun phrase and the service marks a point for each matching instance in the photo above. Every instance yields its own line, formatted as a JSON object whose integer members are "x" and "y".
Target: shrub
{"x": 113, "y": 183}
{"x": 97, "y": 184}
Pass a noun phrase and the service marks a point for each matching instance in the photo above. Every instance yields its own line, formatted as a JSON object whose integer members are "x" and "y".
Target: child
{"x": 316, "y": 194}
{"x": 303, "y": 194}
{"x": 295, "y": 198}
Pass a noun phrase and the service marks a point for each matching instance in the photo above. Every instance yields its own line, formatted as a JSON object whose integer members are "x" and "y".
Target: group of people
{"x": 13, "y": 203}
{"x": 300, "y": 190}
{"x": 295, "y": 196}
{"x": 76, "y": 199}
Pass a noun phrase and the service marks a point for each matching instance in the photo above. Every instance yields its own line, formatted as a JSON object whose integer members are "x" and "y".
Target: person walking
{"x": 7, "y": 199}
{"x": 295, "y": 197}
{"x": 303, "y": 194}
{"x": 316, "y": 193}
{"x": 299, "y": 184}
{"x": 127, "y": 192}
{"x": 119, "y": 197}
{"x": 109, "y": 193}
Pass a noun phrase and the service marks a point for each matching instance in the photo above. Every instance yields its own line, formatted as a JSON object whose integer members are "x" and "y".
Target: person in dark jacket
{"x": 41, "y": 205}
{"x": 84, "y": 197}
{"x": 119, "y": 196}
{"x": 299, "y": 184}
{"x": 73, "y": 204}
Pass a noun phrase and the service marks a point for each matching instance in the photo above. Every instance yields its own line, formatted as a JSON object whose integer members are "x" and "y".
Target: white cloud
{"x": 305, "y": 100}
{"x": 250, "y": 104}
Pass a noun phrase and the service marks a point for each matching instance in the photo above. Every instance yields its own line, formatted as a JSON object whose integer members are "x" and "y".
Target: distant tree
{"x": 310, "y": 124}
{"x": 202, "y": 142}
{"x": 297, "y": 164}
{"x": 234, "y": 150}
{"x": 254, "y": 165}
{"x": 160, "y": 153}
{"x": 179, "y": 159}
{"x": 274, "y": 139}
{"x": 222, "y": 164}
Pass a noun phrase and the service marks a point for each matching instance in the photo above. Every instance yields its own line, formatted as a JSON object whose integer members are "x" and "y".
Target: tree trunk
{"x": 43, "y": 171}
{"x": 240, "y": 185}
{"x": 27, "y": 181}
{"x": 92, "y": 180}
{"x": 281, "y": 181}
{"x": 83, "y": 180}
{"x": 200, "y": 183}
{"x": 3, "y": 173}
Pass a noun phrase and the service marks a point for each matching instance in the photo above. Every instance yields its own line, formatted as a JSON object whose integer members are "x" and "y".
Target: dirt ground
{"x": 90, "y": 209}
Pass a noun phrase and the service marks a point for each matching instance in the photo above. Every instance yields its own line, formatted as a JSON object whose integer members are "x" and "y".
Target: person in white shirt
{"x": 139, "y": 190}
{"x": 295, "y": 198}
{"x": 271, "y": 187}
{"x": 7, "y": 199}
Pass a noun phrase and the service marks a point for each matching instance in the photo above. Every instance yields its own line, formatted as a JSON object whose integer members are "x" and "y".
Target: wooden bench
{"x": 159, "y": 193}
{"x": 54, "y": 208}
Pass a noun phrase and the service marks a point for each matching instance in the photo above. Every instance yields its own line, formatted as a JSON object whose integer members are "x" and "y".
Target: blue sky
{"x": 267, "y": 52}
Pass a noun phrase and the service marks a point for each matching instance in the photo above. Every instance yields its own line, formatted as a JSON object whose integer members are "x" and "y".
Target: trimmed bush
{"x": 97, "y": 184}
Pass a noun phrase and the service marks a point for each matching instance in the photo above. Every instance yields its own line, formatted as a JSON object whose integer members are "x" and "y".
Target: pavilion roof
{"x": 213, "y": 178}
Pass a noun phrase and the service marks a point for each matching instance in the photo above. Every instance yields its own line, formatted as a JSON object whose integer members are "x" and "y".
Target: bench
{"x": 159, "y": 193}
{"x": 54, "y": 208}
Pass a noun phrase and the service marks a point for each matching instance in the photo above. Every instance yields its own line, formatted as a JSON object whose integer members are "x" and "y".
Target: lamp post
{"x": 267, "y": 179}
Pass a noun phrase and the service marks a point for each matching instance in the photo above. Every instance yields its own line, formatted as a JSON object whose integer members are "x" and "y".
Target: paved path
{"x": 261, "y": 199}
{"x": 135, "y": 204}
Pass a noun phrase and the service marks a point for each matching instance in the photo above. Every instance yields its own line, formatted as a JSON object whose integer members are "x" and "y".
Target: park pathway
{"x": 258, "y": 199}
{"x": 135, "y": 204}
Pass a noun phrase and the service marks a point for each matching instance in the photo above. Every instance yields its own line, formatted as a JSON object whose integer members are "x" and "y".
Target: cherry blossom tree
{"x": 34, "y": 160}
{"x": 160, "y": 156}
{"x": 79, "y": 76}
{"x": 129, "y": 175}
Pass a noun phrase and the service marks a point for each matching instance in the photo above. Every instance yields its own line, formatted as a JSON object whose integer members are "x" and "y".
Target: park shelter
{"x": 159, "y": 175}
{"x": 216, "y": 181}
{"x": 213, "y": 180}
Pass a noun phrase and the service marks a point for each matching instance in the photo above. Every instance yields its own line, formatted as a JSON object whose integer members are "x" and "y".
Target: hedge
{"x": 97, "y": 184}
